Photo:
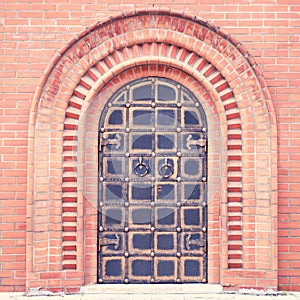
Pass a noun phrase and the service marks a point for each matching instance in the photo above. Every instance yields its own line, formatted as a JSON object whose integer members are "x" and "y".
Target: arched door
{"x": 152, "y": 185}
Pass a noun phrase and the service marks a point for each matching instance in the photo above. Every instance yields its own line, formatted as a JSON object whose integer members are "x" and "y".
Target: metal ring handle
{"x": 166, "y": 170}
{"x": 141, "y": 169}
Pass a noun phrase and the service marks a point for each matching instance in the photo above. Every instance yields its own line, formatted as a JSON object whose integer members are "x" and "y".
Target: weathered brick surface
{"x": 33, "y": 32}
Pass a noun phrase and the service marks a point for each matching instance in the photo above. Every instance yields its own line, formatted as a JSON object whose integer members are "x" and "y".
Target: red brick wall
{"x": 32, "y": 32}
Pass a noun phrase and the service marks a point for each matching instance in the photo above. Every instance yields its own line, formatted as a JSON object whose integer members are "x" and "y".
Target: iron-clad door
{"x": 152, "y": 185}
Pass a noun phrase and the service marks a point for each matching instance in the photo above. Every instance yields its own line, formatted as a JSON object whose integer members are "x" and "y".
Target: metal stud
{"x": 100, "y": 280}
{"x": 178, "y": 86}
{"x": 197, "y": 104}
{"x": 179, "y": 105}
{"x": 127, "y": 154}
{"x": 153, "y": 129}
{"x": 126, "y": 280}
{"x": 126, "y": 254}
{"x": 204, "y": 179}
{"x": 109, "y": 105}
{"x": 203, "y": 279}
{"x": 178, "y": 179}
{"x": 178, "y": 204}
{"x": 101, "y": 229}
{"x": 127, "y": 130}
{"x": 101, "y": 204}
{"x": 128, "y": 87}
{"x": 178, "y": 129}
{"x": 152, "y": 179}
{"x": 152, "y": 229}
{"x": 126, "y": 229}
{"x": 153, "y": 104}
{"x": 179, "y": 154}
{"x": 102, "y": 129}
{"x": 153, "y": 154}
{"x": 152, "y": 203}
{"x": 178, "y": 229}
{"x": 126, "y": 204}
{"x": 127, "y": 104}
{"x": 101, "y": 178}
{"x": 204, "y": 229}
{"x": 204, "y": 129}
{"x": 204, "y": 203}
{"x": 152, "y": 254}
{"x": 126, "y": 179}
{"x": 152, "y": 280}
{"x": 178, "y": 254}
{"x": 178, "y": 280}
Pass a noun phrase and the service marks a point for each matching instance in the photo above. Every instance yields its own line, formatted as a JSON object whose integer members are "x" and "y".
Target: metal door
{"x": 152, "y": 185}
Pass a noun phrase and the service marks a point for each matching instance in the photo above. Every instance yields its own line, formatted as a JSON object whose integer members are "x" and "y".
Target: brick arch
{"x": 79, "y": 81}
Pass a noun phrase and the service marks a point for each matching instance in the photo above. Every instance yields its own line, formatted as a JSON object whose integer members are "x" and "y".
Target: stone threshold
{"x": 188, "y": 288}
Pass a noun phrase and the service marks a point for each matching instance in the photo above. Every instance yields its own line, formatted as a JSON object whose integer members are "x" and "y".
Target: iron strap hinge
{"x": 111, "y": 141}
{"x": 199, "y": 142}
{"x": 110, "y": 241}
{"x": 196, "y": 242}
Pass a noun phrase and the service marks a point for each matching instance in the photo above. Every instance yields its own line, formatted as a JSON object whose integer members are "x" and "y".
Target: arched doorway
{"x": 152, "y": 185}
{"x": 62, "y": 202}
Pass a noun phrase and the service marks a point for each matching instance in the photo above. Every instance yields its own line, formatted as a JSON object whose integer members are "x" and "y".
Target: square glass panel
{"x": 191, "y": 217}
{"x": 141, "y": 117}
{"x": 192, "y": 192}
{"x": 140, "y": 268}
{"x": 113, "y": 167}
{"x": 139, "y": 242}
{"x": 140, "y": 216}
{"x": 113, "y": 217}
{"x": 141, "y": 143}
{"x": 165, "y": 242}
{"x": 140, "y": 192}
{"x": 165, "y": 268}
{"x": 113, "y": 193}
{"x": 191, "y": 167}
{"x": 166, "y": 142}
{"x": 113, "y": 268}
{"x": 166, "y": 118}
{"x": 166, "y": 192}
{"x": 165, "y": 217}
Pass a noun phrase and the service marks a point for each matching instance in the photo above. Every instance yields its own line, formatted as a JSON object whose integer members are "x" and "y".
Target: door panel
{"x": 152, "y": 185}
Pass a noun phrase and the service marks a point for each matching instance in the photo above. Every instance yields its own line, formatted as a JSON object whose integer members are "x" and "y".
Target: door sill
{"x": 185, "y": 288}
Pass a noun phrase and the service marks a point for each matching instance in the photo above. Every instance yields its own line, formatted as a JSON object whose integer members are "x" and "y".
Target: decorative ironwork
{"x": 110, "y": 241}
{"x": 166, "y": 170}
{"x": 152, "y": 185}
{"x": 141, "y": 169}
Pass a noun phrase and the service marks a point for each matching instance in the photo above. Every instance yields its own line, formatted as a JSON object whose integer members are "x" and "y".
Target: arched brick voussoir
{"x": 160, "y": 61}
{"x": 219, "y": 55}
{"x": 231, "y": 66}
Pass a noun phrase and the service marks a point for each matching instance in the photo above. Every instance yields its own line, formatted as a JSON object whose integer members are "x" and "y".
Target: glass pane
{"x": 142, "y": 117}
{"x": 142, "y": 142}
{"x": 116, "y": 117}
{"x": 143, "y": 92}
{"x": 166, "y": 93}
{"x": 166, "y": 117}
